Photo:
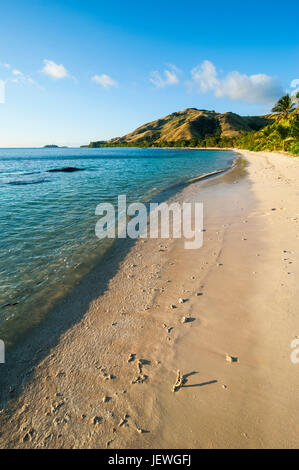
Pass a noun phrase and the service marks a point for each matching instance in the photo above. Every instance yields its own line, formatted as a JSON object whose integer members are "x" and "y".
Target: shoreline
{"x": 97, "y": 256}
{"x": 85, "y": 392}
{"x": 224, "y": 149}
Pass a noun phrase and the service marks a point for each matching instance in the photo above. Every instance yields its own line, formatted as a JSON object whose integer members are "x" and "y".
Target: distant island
{"x": 202, "y": 128}
{"x": 52, "y": 146}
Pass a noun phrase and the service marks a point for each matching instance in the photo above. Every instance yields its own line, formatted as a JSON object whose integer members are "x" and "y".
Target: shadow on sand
{"x": 185, "y": 381}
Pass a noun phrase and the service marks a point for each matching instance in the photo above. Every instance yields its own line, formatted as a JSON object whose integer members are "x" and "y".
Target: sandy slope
{"x": 241, "y": 294}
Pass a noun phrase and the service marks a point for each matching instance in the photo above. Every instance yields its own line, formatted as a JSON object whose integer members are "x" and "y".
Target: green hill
{"x": 191, "y": 127}
{"x": 201, "y": 128}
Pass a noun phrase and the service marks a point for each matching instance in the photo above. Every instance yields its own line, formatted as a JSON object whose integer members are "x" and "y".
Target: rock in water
{"x": 67, "y": 169}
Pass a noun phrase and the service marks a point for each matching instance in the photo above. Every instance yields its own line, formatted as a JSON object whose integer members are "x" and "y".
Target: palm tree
{"x": 283, "y": 107}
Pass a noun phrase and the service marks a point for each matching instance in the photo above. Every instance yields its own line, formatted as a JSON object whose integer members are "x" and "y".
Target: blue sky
{"x": 76, "y": 71}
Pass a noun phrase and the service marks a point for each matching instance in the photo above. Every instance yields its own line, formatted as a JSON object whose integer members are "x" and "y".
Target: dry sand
{"x": 103, "y": 372}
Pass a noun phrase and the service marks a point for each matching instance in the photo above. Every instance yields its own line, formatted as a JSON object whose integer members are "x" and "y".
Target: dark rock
{"x": 67, "y": 169}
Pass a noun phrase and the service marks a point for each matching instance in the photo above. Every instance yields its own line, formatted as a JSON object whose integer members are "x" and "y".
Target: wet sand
{"x": 100, "y": 371}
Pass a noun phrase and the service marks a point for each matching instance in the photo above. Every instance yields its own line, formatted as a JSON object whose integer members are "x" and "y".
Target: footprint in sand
{"x": 106, "y": 399}
{"x": 97, "y": 420}
{"x": 231, "y": 358}
{"x": 187, "y": 319}
{"x": 132, "y": 357}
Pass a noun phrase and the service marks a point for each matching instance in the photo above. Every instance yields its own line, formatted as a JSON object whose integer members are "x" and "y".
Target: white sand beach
{"x": 108, "y": 380}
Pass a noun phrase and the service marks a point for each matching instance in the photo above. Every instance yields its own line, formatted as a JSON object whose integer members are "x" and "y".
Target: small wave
{"x": 31, "y": 173}
{"x": 23, "y": 181}
{"x": 20, "y": 183}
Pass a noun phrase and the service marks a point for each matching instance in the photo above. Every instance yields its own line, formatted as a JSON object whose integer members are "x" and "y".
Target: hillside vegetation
{"x": 282, "y": 134}
{"x": 201, "y": 128}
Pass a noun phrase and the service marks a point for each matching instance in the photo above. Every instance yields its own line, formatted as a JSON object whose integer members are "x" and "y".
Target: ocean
{"x": 47, "y": 219}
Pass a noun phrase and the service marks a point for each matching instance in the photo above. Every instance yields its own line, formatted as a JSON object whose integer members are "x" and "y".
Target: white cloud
{"x": 54, "y": 70}
{"x": 104, "y": 80}
{"x": 205, "y": 76}
{"x": 295, "y": 83}
{"x": 170, "y": 77}
{"x": 173, "y": 67}
{"x": 21, "y": 78}
{"x": 258, "y": 88}
{"x": 17, "y": 77}
{"x": 17, "y": 72}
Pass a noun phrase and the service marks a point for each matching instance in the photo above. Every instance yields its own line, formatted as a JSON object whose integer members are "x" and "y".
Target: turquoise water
{"x": 47, "y": 220}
